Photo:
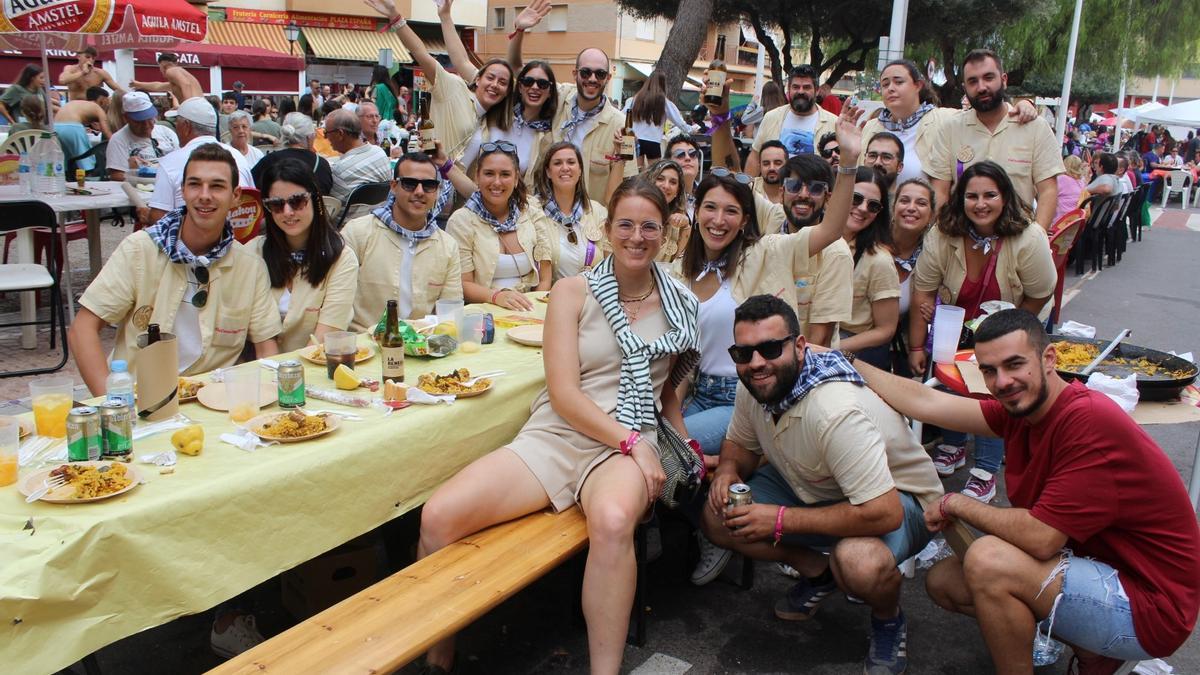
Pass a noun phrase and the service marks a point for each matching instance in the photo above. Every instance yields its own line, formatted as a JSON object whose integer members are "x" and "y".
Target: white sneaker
{"x": 712, "y": 561}
{"x": 787, "y": 570}
{"x": 238, "y": 637}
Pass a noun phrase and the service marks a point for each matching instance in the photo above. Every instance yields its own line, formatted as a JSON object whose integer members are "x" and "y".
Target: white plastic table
{"x": 107, "y": 195}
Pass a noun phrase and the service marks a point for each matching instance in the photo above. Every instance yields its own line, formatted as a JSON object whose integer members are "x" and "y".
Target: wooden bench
{"x": 396, "y": 620}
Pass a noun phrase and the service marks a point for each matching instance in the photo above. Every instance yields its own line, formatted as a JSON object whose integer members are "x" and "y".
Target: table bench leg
{"x": 28, "y": 298}
{"x": 638, "y": 636}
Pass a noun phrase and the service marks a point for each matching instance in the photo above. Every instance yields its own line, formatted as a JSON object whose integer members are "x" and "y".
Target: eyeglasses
{"x": 873, "y": 205}
{"x": 586, "y": 74}
{"x": 200, "y": 297}
{"x": 722, "y": 172}
{"x": 681, "y": 153}
{"x": 831, "y": 150}
{"x": 649, "y": 229}
{"x": 771, "y": 349}
{"x": 410, "y": 184}
{"x": 816, "y": 188}
{"x": 498, "y": 146}
{"x": 539, "y": 82}
{"x": 885, "y": 156}
{"x": 297, "y": 201}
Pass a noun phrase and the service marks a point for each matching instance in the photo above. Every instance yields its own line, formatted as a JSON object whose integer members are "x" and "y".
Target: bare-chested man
{"x": 84, "y": 75}
{"x": 180, "y": 83}
{"x": 71, "y": 123}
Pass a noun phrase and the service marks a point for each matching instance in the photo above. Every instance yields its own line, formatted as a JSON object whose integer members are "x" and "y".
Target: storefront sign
{"x": 301, "y": 18}
{"x": 419, "y": 82}
{"x": 70, "y": 16}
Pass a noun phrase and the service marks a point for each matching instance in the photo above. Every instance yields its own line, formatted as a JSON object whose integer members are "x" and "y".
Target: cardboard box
{"x": 330, "y": 578}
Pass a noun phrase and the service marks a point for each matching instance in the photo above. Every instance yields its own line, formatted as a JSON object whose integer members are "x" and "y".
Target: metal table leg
{"x": 28, "y": 298}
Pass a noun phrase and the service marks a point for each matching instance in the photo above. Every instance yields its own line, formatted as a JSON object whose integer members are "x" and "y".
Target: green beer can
{"x": 83, "y": 434}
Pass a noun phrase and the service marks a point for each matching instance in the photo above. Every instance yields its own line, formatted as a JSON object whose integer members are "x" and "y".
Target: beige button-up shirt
{"x": 330, "y": 303}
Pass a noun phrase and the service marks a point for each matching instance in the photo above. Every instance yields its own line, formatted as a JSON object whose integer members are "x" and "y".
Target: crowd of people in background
{"x": 683, "y": 285}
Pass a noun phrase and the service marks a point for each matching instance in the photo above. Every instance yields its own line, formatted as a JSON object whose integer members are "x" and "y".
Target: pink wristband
{"x": 779, "y": 525}
{"x": 627, "y": 444}
{"x": 942, "y": 505}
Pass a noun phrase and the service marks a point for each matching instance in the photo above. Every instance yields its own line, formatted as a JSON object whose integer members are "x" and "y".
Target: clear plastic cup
{"x": 51, "y": 399}
{"x": 10, "y": 439}
{"x": 451, "y": 310}
{"x": 340, "y": 348}
{"x": 947, "y": 331}
{"x": 241, "y": 392}
{"x": 472, "y": 330}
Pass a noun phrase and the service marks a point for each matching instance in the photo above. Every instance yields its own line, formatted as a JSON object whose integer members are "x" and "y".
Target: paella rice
{"x": 93, "y": 481}
{"x": 1075, "y": 356}
{"x": 293, "y": 425}
{"x": 450, "y": 383}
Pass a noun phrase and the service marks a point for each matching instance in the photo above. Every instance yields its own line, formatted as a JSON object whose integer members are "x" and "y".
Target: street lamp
{"x": 292, "y": 33}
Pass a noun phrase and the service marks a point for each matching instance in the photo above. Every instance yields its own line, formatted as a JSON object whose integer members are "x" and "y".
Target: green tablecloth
{"x": 227, "y": 520}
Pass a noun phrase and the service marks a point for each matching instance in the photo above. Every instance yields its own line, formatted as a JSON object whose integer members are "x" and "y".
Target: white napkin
{"x": 167, "y": 458}
{"x": 415, "y": 395}
{"x": 1076, "y": 329}
{"x": 246, "y": 440}
{"x": 1187, "y": 356}
{"x": 1122, "y": 390}
{"x": 1154, "y": 667}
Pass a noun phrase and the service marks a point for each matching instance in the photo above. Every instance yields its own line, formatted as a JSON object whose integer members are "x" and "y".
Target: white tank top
{"x": 716, "y": 333}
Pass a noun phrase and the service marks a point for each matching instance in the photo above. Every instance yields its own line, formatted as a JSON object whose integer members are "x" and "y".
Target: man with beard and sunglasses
{"x": 402, "y": 253}
{"x": 186, "y": 274}
{"x": 1100, "y": 545}
{"x": 845, "y": 476}
{"x": 1029, "y": 153}
{"x": 797, "y": 125}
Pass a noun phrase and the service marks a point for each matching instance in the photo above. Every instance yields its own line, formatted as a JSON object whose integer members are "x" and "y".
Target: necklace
{"x": 632, "y": 306}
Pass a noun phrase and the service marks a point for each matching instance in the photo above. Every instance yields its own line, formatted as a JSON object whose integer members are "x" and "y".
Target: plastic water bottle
{"x": 119, "y": 385}
{"x": 1046, "y": 650}
{"x": 25, "y": 173}
{"x": 49, "y": 172}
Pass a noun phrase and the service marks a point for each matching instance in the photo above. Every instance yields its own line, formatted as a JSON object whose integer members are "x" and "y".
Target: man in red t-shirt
{"x": 828, "y": 100}
{"x": 1101, "y": 541}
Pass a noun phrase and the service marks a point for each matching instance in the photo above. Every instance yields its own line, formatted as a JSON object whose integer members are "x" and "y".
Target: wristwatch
{"x": 847, "y": 170}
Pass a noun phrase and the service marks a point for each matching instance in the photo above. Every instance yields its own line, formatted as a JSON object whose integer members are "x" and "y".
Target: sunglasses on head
{"x": 410, "y": 184}
{"x": 539, "y": 82}
{"x": 297, "y": 201}
{"x": 722, "y": 172}
{"x": 587, "y": 74}
{"x": 771, "y": 349}
{"x": 498, "y": 146}
{"x": 816, "y": 188}
{"x": 873, "y": 205}
{"x": 200, "y": 297}
{"x": 681, "y": 153}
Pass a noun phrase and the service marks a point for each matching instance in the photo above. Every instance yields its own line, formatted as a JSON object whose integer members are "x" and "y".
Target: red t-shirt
{"x": 1090, "y": 472}
{"x": 833, "y": 104}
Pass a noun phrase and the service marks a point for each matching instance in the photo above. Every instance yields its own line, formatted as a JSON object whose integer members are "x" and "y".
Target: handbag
{"x": 683, "y": 465}
{"x": 967, "y": 339}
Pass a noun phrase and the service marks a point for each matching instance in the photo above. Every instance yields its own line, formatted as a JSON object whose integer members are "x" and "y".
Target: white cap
{"x": 196, "y": 109}
{"x": 138, "y": 107}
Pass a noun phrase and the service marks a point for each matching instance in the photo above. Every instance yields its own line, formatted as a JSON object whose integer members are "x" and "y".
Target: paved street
{"x": 723, "y": 629}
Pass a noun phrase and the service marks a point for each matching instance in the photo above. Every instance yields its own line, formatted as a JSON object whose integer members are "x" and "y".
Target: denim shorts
{"x": 768, "y": 486}
{"x": 708, "y": 412}
{"x": 1092, "y": 611}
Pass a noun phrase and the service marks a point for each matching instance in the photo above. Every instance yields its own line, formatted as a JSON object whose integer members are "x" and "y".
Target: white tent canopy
{"x": 1135, "y": 113}
{"x": 1178, "y": 115}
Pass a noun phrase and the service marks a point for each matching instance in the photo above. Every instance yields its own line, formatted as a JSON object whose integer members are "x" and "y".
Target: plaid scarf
{"x": 556, "y": 214}
{"x": 818, "y": 369}
{"x": 910, "y": 263}
{"x": 475, "y": 204}
{"x": 165, "y": 233}
{"x": 717, "y": 266}
{"x": 635, "y": 389}
{"x": 985, "y": 243}
{"x": 891, "y": 124}
{"x": 384, "y": 214}
{"x": 579, "y": 116}
{"x": 519, "y": 119}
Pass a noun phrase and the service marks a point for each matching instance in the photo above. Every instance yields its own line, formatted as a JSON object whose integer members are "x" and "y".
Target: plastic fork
{"x": 51, "y": 483}
{"x": 481, "y": 376}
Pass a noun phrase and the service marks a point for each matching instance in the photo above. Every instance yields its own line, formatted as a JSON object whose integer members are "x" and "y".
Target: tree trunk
{"x": 684, "y": 41}
{"x": 765, "y": 41}
{"x": 787, "y": 55}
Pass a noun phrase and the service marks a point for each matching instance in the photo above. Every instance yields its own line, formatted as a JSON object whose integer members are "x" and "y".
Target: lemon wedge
{"x": 344, "y": 378}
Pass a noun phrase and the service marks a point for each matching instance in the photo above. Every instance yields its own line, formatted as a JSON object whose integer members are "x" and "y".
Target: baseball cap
{"x": 197, "y": 110}
{"x": 138, "y": 107}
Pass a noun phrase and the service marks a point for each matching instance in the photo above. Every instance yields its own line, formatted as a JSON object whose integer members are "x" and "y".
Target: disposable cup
{"x": 947, "y": 330}
{"x": 340, "y": 348}
{"x": 51, "y": 399}
{"x": 10, "y": 435}
{"x": 472, "y": 329}
{"x": 451, "y": 310}
{"x": 241, "y": 392}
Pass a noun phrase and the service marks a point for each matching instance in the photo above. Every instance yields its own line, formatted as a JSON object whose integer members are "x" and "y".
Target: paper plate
{"x": 309, "y": 353}
{"x": 34, "y": 481}
{"x": 526, "y": 335}
{"x": 332, "y": 422}
{"x": 213, "y": 396}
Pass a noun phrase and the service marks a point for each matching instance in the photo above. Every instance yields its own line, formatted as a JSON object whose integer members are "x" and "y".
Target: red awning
{"x": 258, "y": 80}
{"x": 206, "y": 55}
{"x": 105, "y": 24}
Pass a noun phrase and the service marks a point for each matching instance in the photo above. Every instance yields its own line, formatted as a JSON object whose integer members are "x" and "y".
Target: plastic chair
{"x": 15, "y": 216}
{"x": 1101, "y": 210}
{"x": 22, "y": 141}
{"x": 1177, "y": 182}
{"x": 1065, "y": 232}
{"x": 98, "y": 172}
{"x": 1135, "y": 215}
{"x": 368, "y": 194}
{"x": 247, "y": 216}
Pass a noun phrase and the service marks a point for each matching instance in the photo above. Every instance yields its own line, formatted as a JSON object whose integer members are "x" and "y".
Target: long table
{"x": 88, "y": 575}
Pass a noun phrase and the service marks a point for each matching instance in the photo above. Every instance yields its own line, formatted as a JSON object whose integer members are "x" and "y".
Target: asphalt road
{"x": 721, "y": 628}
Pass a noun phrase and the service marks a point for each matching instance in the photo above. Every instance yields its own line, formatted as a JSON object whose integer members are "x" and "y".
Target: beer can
{"x": 116, "y": 430}
{"x": 291, "y": 384}
{"x": 739, "y": 495}
{"x": 83, "y": 434}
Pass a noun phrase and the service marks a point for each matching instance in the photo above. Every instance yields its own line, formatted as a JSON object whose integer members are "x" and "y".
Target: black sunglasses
{"x": 771, "y": 349}
{"x": 873, "y": 205}
{"x": 722, "y": 172}
{"x": 200, "y": 297}
{"x": 586, "y": 74}
{"x": 410, "y": 184}
{"x": 830, "y": 150}
{"x": 276, "y": 204}
{"x": 816, "y": 188}
{"x": 681, "y": 153}
{"x": 539, "y": 82}
{"x": 498, "y": 146}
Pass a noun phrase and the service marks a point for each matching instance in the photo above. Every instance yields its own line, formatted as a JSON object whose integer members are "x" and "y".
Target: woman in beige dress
{"x": 614, "y": 337}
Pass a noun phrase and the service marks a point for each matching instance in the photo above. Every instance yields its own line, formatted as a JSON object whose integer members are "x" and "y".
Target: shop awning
{"x": 353, "y": 45}
{"x": 259, "y": 35}
{"x": 200, "y": 55}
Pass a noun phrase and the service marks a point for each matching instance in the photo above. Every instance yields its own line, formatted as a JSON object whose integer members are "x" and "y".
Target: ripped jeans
{"x": 1092, "y": 610}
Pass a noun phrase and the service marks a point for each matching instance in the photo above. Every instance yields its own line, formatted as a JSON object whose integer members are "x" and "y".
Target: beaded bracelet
{"x": 779, "y": 525}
